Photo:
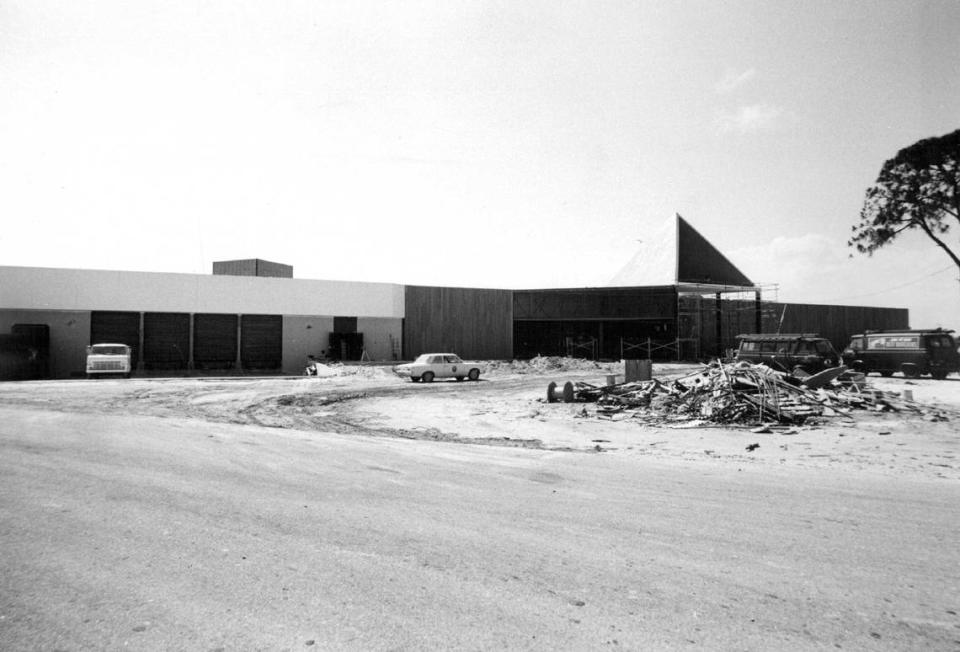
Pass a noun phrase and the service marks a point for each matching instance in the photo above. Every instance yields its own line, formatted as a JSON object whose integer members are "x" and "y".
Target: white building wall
{"x": 305, "y": 335}
{"x": 43, "y": 288}
{"x": 382, "y": 338}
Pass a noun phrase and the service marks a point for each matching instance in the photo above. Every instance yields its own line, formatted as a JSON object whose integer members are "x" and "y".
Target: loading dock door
{"x": 166, "y": 340}
{"x": 214, "y": 341}
{"x": 109, "y": 327}
{"x": 261, "y": 341}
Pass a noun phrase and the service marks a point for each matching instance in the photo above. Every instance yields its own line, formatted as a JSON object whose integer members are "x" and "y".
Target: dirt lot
{"x": 508, "y": 408}
{"x": 355, "y": 510}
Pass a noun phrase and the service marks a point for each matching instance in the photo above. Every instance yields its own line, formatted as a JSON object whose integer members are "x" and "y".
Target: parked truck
{"x": 108, "y": 360}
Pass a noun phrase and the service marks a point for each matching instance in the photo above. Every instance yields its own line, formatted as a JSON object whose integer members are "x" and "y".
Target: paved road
{"x": 166, "y": 533}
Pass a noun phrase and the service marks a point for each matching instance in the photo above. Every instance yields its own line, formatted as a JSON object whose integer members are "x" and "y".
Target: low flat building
{"x": 251, "y": 316}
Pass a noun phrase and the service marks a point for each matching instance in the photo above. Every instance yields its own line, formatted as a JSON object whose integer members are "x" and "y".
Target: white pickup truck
{"x": 108, "y": 359}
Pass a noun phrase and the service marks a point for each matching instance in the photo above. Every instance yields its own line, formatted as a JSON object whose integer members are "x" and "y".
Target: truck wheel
{"x": 939, "y": 374}
{"x": 427, "y": 377}
{"x": 910, "y": 370}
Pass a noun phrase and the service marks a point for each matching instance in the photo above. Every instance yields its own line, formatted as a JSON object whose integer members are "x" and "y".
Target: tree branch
{"x": 940, "y": 243}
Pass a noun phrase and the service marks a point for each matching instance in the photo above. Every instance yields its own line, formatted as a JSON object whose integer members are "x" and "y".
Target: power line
{"x": 855, "y": 296}
{"x": 897, "y": 287}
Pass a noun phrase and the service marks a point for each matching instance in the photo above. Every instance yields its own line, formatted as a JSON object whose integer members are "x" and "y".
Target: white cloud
{"x": 733, "y": 80}
{"x": 755, "y": 117}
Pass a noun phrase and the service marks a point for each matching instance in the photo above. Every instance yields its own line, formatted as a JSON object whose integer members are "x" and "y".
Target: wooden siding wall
{"x": 657, "y": 303}
{"x": 836, "y": 323}
{"x": 166, "y": 340}
{"x": 474, "y": 323}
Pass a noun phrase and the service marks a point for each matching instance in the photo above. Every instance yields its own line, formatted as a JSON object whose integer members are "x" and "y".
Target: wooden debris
{"x": 739, "y": 393}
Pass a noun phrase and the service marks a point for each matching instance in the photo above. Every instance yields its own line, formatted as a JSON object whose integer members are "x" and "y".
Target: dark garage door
{"x": 108, "y": 327}
{"x": 261, "y": 341}
{"x": 214, "y": 341}
{"x": 166, "y": 340}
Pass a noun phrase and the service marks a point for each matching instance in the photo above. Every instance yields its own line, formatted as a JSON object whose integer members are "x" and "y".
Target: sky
{"x": 508, "y": 144}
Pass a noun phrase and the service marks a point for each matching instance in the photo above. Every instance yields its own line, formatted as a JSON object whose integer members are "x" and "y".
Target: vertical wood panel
{"x": 474, "y": 323}
{"x": 261, "y": 341}
{"x": 166, "y": 340}
{"x": 214, "y": 341}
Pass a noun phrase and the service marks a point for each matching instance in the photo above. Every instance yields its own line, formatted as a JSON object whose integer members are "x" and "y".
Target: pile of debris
{"x": 544, "y": 364}
{"x": 739, "y": 393}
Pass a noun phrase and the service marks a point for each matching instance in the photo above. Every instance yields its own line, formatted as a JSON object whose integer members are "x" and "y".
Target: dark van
{"x": 786, "y": 352}
{"x": 911, "y": 352}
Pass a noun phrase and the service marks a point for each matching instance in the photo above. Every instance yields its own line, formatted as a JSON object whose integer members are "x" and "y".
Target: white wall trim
{"x": 46, "y": 288}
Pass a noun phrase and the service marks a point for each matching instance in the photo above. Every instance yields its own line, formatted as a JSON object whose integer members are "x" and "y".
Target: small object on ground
{"x": 753, "y": 447}
{"x": 761, "y": 430}
{"x": 567, "y": 395}
{"x": 551, "y": 388}
{"x": 884, "y": 432}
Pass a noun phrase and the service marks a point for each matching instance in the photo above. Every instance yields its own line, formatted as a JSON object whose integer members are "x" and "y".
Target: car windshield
{"x": 806, "y": 348}
{"x": 824, "y": 347}
{"x": 109, "y": 350}
{"x": 938, "y": 341}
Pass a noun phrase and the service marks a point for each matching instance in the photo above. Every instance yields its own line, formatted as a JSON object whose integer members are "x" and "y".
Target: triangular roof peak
{"x": 677, "y": 254}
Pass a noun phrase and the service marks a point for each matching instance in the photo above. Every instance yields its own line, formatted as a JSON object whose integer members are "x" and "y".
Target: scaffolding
{"x": 715, "y": 313}
{"x": 647, "y": 347}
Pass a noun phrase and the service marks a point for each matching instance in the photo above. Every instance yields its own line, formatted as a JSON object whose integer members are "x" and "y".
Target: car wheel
{"x": 414, "y": 379}
{"x": 474, "y": 374}
{"x": 459, "y": 379}
{"x": 427, "y": 377}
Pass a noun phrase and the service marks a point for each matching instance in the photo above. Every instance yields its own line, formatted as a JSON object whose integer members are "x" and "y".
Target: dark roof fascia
{"x": 605, "y": 288}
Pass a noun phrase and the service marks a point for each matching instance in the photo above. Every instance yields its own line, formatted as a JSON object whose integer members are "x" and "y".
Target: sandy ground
{"x": 359, "y": 511}
{"x": 510, "y": 409}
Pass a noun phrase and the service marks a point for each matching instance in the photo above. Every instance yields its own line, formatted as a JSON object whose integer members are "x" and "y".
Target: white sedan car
{"x": 438, "y": 365}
